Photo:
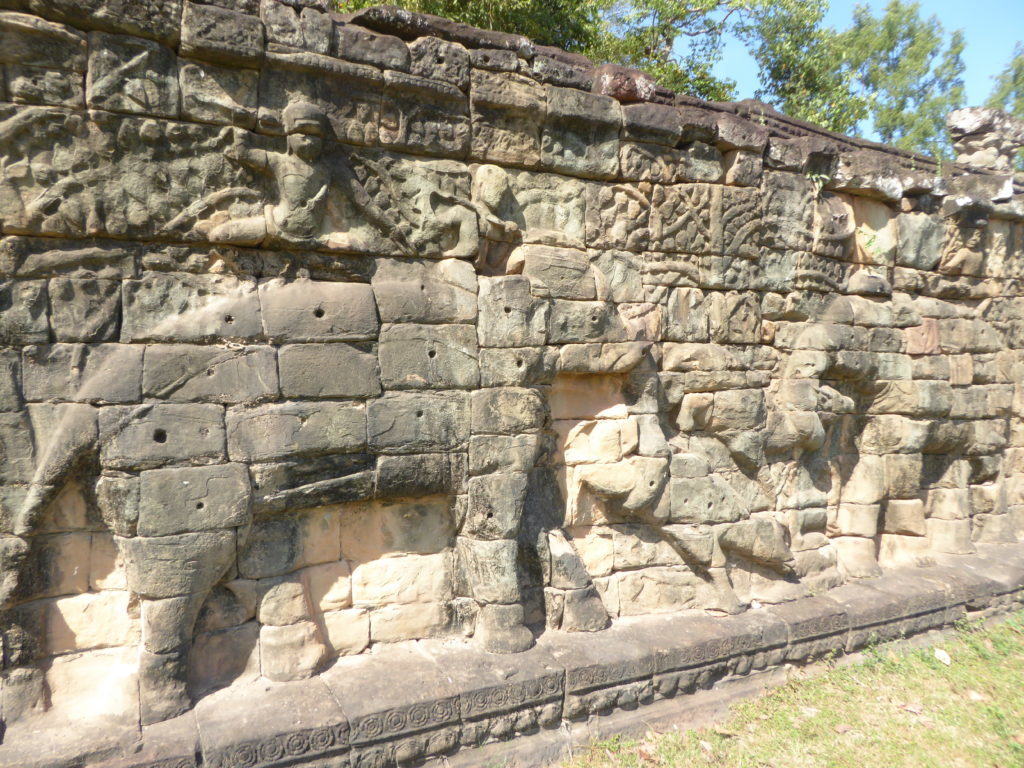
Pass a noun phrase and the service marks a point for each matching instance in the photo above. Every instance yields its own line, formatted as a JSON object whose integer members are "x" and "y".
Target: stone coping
{"x": 408, "y": 703}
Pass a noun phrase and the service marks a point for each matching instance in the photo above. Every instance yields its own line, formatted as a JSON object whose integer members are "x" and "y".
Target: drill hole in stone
{"x": 199, "y": 505}
{"x": 519, "y": 363}
{"x": 419, "y": 414}
{"x": 159, "y": 436}
{"x": 229, "y": 319}
{"x": 432, "y": 353}
{"x": 209, "y": 371}
{"x": 318, "y": 312}
{"x": 508, "y": 310}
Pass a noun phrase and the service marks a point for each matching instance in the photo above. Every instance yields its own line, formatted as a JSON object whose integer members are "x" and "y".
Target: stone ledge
{"x": 406, "y": 703}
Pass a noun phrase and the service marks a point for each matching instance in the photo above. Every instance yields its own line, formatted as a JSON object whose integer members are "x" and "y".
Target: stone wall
{"x": 325, "y": 332}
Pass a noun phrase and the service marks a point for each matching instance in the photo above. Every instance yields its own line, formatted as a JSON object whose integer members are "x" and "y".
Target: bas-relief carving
{"x": 627, "y": 398}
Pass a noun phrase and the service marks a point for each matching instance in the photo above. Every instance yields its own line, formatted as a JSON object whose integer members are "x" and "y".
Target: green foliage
{"x": 574, "y": 25}
{"x": 1008, "y": 94}
{"x": 803, "y": 66}
{"x": 899, "y": 71}
{"x": 910, "y": 71}
{"x": 677, "y": 43}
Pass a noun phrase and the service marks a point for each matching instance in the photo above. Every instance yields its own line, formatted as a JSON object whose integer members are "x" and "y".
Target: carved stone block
{"x": 90, "y": 373}
{"x": 282, "y": 430}
{"x": 127, "y": 74}
{"x": 193, "y": 499}
{"x": 85, "y": 310}
{"x": 186, "y": 372}
{"x": 507, "y": 112}
{"x": 221, "y": 35}
{"x": 581, "y": 134}
{"x": 423, "y": 115}
{"x": 409, "y": 422}
{"x": 215, "y": 94}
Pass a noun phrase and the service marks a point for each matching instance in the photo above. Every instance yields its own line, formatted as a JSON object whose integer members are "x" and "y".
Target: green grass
{"x": 905, "y": 708}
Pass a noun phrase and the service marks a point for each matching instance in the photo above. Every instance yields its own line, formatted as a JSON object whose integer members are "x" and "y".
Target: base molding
{"x": 413, "y": 703}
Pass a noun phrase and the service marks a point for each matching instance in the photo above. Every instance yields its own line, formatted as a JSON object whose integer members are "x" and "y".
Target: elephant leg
{"x": 581, "y": 606}
{"x": 489, "y": 548}
{"x": 173, "y": 575}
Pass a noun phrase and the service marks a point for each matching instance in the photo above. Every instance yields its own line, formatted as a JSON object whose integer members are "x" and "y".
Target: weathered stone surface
{"x": 412, "y": 422}
{"x": 220, "y": 35}
{"x": 186, "y": 372}
{"x": 328, "y": 370}
{"x": 288, "y": 429}
{"x": 193, "y": 499}
{"x": 147, "y": 436}
{"x": 314, "y": 310}
{"x": 428, "y": 357}
{"x": 127, "y": 74}
{"x": 323, "y": 331}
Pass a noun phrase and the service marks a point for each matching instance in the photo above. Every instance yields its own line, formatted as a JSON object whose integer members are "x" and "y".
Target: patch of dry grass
{"x": 897, "y": 709}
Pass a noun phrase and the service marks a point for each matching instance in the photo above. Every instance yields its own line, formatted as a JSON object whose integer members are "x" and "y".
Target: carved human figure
{"x": 302, "y": 183}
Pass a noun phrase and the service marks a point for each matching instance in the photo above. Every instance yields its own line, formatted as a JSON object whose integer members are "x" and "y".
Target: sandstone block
{"x": 509, "y": 314}
{"x": 170, "y": 566}
{"x": 429, "y": 357}
{"x": 133, "y": 437}
{"x": 348, "y": 632}
{"x": 97, "y": 373}
{"x": 85, "y": 309}
{"x": 193, "y": 499}
{"x": 316, "y": 310}
{"x": 88, "y": 621}
{"x": 128, "y": 74}
{"x": 221, "y": 35}
{"x": 496, "y": 505}
{"x": 506, "y": 410}
{"x": 187, "y": 372}
{"x": 407, "y": 422}
{"x": 281, "y": 430}
{"x": 425, "y": 291}
{"x": 328, "y": 370}
{"x": 292, "y": 652}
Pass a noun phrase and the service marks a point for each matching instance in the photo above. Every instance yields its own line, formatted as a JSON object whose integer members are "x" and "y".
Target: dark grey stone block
{"x": 407, "y": 422}
{"x": 187, "y": 372}
{"x": 315, "y": 310}
{"x": 145, "y": 436}
{"x": 428, "y": 357}
{"x": 283, "y": 430}
{"x": 193, "y": 499}
{"x": 328, "y": 370}
{"x": 221, "y": 35}
{"x": 171, "y": 566}
{"x": 313, "y": 481}
{"x": 94, "y": 373}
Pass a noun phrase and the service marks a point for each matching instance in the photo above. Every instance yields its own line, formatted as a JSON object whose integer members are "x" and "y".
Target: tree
{"x": 677, "y": 42}
{"x": 573, "y": 25}
{"x": 910, "y": 71}
{"x": 1008, "y": 94}
{"x": 804, "y": 69}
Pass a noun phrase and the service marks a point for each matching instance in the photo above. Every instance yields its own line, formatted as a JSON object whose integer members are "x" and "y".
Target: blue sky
{"x": 991, "y": 27}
